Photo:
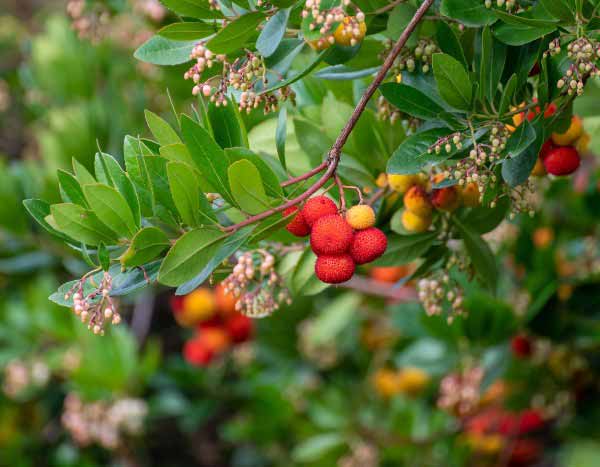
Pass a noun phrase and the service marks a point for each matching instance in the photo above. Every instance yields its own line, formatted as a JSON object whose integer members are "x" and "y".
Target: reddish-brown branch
{"x": 379, "y": 289}
{"x": 318, "y": 169}
{"x": 333, "y": 158}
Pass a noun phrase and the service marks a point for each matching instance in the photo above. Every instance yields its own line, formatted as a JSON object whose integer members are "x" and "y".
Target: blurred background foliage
{"x": 338, "y": 379}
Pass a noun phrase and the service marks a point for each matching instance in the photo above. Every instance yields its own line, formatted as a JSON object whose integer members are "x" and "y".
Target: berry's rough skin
{"x": 562, "y": 161}
{"x": 469, "y": 195}
{"x": 360, "y": 217}
{"x": 401, "y": 183}
{"x": 298, "y": 225}
{"x": 317, "y": 207}
{"x": 417, "y": 201}
{"x": 331, "y": 235}
{"x": 333, "y": 269}
{"x": 571, "y": 135}
{"x": 368, "y": 245}
{"x": 413, "y": 223}
{"x": 445, "y": 199}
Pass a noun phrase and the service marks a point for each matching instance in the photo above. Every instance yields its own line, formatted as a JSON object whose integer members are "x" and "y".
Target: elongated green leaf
{"x": 303, "y": 280}
{"x": 449, "y": 43}
{"x": 280, "y": 134}
{"x": 121, "y": 181}
{"x": 398, "y": 19}
{"x": 412, "y": 155}
{"x": 228, "y": 128}
{"x": 522, "y": 34}
{"x": 273, "y": 32}
{"x": 523, "y": 154}
{"x": 111, "y": 208}
{"x": 71, "y": 189}
{"x": 133, "y": 150}
{"x": 453, "y": 81}
{"x": 199, "y": 9}
{"x": 522, "y": 20}
{"x": 146, "y": 245}
{"x": 161, "y": 130}
{"x": 188, "y": 31}
{"x": 411, "y": 101}
{"x": 190, "y": 255}
{"x": 81, "y": 173}
{"x": 484, "y": 219}
{"x": 493, "y": 57}
{"x": 40, "y": 210}
{"x": 247, "y": 187}
{"x": 236, "y": 33}
{"x": 81, "y": 224}
{"x": 468, "y": 12}
{"x": 508, "y": 93}
{"x": 207, "y": 155}
{"x": 177, "y": 152}
{"x": 161, "y": 51}
{"x": 233, "y": 243}
{"x": 185, "y": 191}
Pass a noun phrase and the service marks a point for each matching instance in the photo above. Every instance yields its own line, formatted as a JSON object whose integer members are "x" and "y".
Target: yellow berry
{"x": 385, "y": 382}
{"x": 415, "y": 223}
{"x": 469, "y": 195}
{"x": 320, "y": 44}
{"x": 382, "y": 180}
{"x": 571, "y": 135}
{"x": 583, "y": 144}
{"x": 538, "y": 169}
{"x": 412, "y": 381}
{"x": 417, "y": 201}
{"x": 360, "y": 217}
{"x": 196, "y": 307}
{"x": 401, "y": 183}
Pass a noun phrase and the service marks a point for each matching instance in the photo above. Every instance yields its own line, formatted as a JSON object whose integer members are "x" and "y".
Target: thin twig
{"x": 291, "y": 181}
{"x": 340, "y": 186}
{"x": 333, "y": 158}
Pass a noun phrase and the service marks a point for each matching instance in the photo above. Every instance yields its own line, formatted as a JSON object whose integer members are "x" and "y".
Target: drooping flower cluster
{"x": 260, "y": 290}
{"x": 460, "y": 393}
{"x": 410, "y": 58}
{"x": 583, "y": 53}
{"x": 101, "y": 422}
{"x": 438, "y": 294}
{"x": 96, "y": 308}
{"x": 363, "y": 454}
{"x": 89, "y": 22}
{"x": 21, "y": 375}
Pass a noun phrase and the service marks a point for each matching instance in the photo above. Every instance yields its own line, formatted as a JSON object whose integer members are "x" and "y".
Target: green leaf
{"x": 453, "y": 81}
{"x": 81, "y": 224}
{"x": 317, "y": 447}
{"x": 523, "y": 154}
{"x": 449, "y": 42}
{"x": 164, "y": 207}
{"x": 121, "y": 181}
{"x": 228, "y": 128}
{"x": 269, "y": 178}
{"x": 403, "y": 249}
{"x": 190, "y": 255}
{"x": 232, "y": 244}
{"x": 199, "y": 9}
{"x": 302, "y": 73}
{"x": 280, "y": 134}
{"x": 559, "y": 9}
{"x": 234, "y": 36}
{"x": 468, "y": 12}
{"x": 247, "y": 187}
{"x": 507, "y": 95}
{"x": 185, "y": 191}
{"x": 493, "y": 57}
{"x": 110, "y": 206}
{"x": 430, "y": 355}
{"x": 207, "y": 155}
{"x": 146, "y": 245}
{"x": 411, "y": 101}
{"x": 103, "y": 257}
{"x": 161, "y": 130}
{"x": 133, "y": 150}
{"x": 40, "y": 210}
{"x": 81, "y": 173}
{"x": 71, "y": 189}
{"x": 516, "y": 35}
{"x": 481, "y": 255}
{"x": 412, "y": 155}
{"x": 188, "y": 31}
{"x": 521, "y": 20}
{"x": 274, "y": 30}
{"x": 161, "y": 51}
{"x": 312, "y": 139}
{"x": 398, "y": 19}
{"x": 484, "y": 219}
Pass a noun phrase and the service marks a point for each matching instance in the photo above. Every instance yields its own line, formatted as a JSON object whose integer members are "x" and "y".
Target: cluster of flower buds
{"x": 89, "y": 23}
{"x": 460, "y": 393}
{"x": 447, "y": 143}
{"x": 101, "y": 422}
{"x": 97, "y": 307}
{"x": 323, "y": 20}
{"x": 583, "y": 52}
{"x": 419, "y": 56}
{"x": 251, "y": 100}
{"x": 363, "y": 454}
{"x": 508, "y": 4}
{"x": 204, "y": 59}
{"x": 21, "y": 375}
{"x": 386, "y": 111}
{"x": 524, "y": 199}
{"x": 152, "y": 9}
{"x": 436, "y": 295}
{"x": 260, "y": 290}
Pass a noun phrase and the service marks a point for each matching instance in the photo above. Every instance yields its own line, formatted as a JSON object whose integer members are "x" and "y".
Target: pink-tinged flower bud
{"x": 206, "y": 89}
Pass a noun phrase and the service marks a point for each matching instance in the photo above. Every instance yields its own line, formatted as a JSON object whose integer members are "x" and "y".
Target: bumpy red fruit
{"x": 521, "y": 346}
{"x": 333, "y": 269}
{"x": 331, "y": 235}
{"x": 316, "y": 208}
{"x": 298, "y": 225}
{"x": 197, "y": 353}
{"x": 562, "y": 161}
{"x": 368, "y": 245}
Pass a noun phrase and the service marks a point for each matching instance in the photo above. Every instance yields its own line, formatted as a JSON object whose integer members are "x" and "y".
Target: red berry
{"x": 297, "y": 225}
{"x": 333, "y": 269}
{"x": 546, "y": 148}
{"x": 530, "y": 420}
{"x": 239, "y": 328}
{"x": 525, "y": 452}
{"x": 331, "y": 235}
{"x": 550, "y": 110}
{"x": 521, "y": 346}
{"x": 197, "y": 353}
{"x": 368, "y": 245}
{"x": 317, "y": 207}
{"x": 562, "y": 160}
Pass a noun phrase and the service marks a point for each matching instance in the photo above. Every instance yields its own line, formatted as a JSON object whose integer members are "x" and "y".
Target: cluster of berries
{"x": 494, "y": 431}
{"x": 421, "y": 199}
{"x": 217, "y": 323}
{"x": 339, "y": 242}
{"x": 101, "y": 422}
{"x": 408, "y": 381}
{"x": 97, "y": 307}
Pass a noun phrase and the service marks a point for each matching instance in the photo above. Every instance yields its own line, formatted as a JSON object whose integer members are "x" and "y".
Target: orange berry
{"x": 401, "y": 183}
{"x": 469, "y": 195}
{"x": 196, "y": 306}
{"x": 386, "y": 382}
{"x": 572, "y": 134}
{"x": 413, "y": 223}
{"x": 389, "y": 274}
{"x": 543, "y": 237}
{"x": 445, "y": 199}
{"x": 215, "y": 338}
{"x": 417, "y": 201}
{"x": 225, "y": 301}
